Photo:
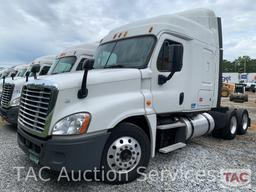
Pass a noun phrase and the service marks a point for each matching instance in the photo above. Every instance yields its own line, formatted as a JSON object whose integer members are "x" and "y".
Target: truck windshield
{"x": 21, "y": 72}
{"x": 64, "y": 64}
{"x": 126, "y": 53}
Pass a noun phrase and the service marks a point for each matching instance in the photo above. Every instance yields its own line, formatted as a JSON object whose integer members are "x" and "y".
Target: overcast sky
{"x": 29, "y": 28}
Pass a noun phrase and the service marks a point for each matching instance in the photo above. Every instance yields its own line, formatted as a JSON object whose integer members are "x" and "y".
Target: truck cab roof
{"x": 197, "y": 24}
{"x": 45, "y": 63}
{"x": 83, "y": 49}
{"x": 71, "y": 59}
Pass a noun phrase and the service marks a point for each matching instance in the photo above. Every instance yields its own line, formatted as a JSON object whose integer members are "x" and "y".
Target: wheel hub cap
{"x": 124, "y": 154}
{"x": 245, "y": 121}
{"x": 233, "y": 124}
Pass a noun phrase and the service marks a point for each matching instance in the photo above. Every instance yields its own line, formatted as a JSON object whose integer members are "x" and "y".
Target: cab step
{"x": 173, "y": 147}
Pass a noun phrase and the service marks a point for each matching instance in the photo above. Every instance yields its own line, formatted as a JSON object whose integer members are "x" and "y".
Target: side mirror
{"x": 5, "y": 74}
{"x": 27, "y": 75}
{"x": 173, "y": 59}
{"x": 35, "y": 69}
{"x": 13, "y": 75}
{"x": 88, "y": 64}
{"x": 173, "y": 54}
{"x": 177, "y": 57}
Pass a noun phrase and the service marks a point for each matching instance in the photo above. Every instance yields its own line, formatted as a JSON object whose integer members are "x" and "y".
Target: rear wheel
{"x": 243, "y": 121}
{"x": 230, "y": 130}
{"x": 126, "y": 154}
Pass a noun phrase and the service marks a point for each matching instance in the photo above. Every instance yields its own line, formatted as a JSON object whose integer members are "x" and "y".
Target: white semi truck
{"x": 154, "y": 85}
{"x": 16, "y": 72}
{"x": 69, "y": 60}
{"x": 11, "y": 87}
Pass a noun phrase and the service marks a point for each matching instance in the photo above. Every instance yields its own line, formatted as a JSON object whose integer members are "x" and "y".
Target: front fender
{"x": 107, "y": 109}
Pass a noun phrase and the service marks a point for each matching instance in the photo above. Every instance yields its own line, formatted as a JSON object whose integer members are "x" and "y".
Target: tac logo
{"x": 234, "y": 178}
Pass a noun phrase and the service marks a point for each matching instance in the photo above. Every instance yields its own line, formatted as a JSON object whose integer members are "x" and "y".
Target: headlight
{"x": 15, "y": 102}
{"x": 72, "y": 125}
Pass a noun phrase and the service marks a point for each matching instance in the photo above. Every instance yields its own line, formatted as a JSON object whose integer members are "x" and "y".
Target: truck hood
{"x": 96, "y": 76}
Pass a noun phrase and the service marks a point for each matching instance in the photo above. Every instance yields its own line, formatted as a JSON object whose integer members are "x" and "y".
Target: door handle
{"x": 181, "y": 98}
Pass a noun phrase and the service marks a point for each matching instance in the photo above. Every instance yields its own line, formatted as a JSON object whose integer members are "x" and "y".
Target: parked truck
{"x": 153, "y": 85}
{"x": 16, "y": 72}
{"x": 69, "y": 60}
{"x": 11, "y": 87}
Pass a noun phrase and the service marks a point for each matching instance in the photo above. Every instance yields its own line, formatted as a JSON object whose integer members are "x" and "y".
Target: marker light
{"x": 125, "y": 34}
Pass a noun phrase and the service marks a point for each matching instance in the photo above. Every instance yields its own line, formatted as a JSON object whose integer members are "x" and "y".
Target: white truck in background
{"x": 154, "y": 85}
{"x": 16, "y": 72}
{"x": 69, "y": 60}
{"x": 11, "y": 87}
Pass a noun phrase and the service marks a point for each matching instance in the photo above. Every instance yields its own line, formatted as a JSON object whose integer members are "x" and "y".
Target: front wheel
{"x": 126, "y": 154}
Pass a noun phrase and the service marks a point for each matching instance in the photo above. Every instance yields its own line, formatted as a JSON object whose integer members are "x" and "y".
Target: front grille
{"x": 36, "y": 103}
{"x": 7, "y": 94}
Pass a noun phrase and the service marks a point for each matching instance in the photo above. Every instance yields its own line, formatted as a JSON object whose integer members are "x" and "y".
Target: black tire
{"x": 122, "y": 131}
{"x": 230, "y": 130}
{"x": 243, "y": 121}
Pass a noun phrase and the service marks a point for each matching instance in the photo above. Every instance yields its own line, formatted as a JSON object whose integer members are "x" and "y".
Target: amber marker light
{"x": 148, "y": 102}
{"x": 126, "y": 33}
{"x": 85, "y": 124}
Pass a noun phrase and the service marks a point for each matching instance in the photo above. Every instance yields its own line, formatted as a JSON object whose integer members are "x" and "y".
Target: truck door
{"x": 166, "y": 65}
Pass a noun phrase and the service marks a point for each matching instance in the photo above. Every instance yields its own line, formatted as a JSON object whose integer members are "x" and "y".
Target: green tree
{"x": 243, "y": 64}
{"x": 228, "y": 66}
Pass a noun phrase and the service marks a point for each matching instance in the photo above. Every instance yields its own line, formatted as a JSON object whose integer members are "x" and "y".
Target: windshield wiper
{"x": 114, "y": 66}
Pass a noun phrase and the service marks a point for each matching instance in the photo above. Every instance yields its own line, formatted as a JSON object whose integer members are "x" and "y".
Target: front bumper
{"x": 10, "y": 114}
{"x": 72, "y": 152}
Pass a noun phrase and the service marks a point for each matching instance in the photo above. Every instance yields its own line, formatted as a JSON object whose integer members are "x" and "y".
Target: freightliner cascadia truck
{"x": 153, "y": 85}
{"x": 68, "y": 60}
{"x": 16, "y": 72}
{"x": 11, "y": 88}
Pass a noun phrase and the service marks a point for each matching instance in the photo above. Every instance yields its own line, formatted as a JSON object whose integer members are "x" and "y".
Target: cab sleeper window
{"x": 170, "y": 56}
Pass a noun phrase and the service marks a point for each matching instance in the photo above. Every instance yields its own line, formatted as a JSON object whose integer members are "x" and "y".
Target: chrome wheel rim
{"x": 245, "y": 121}
{"x": 233, "y": 124}
{"x": 124, "y": 154}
